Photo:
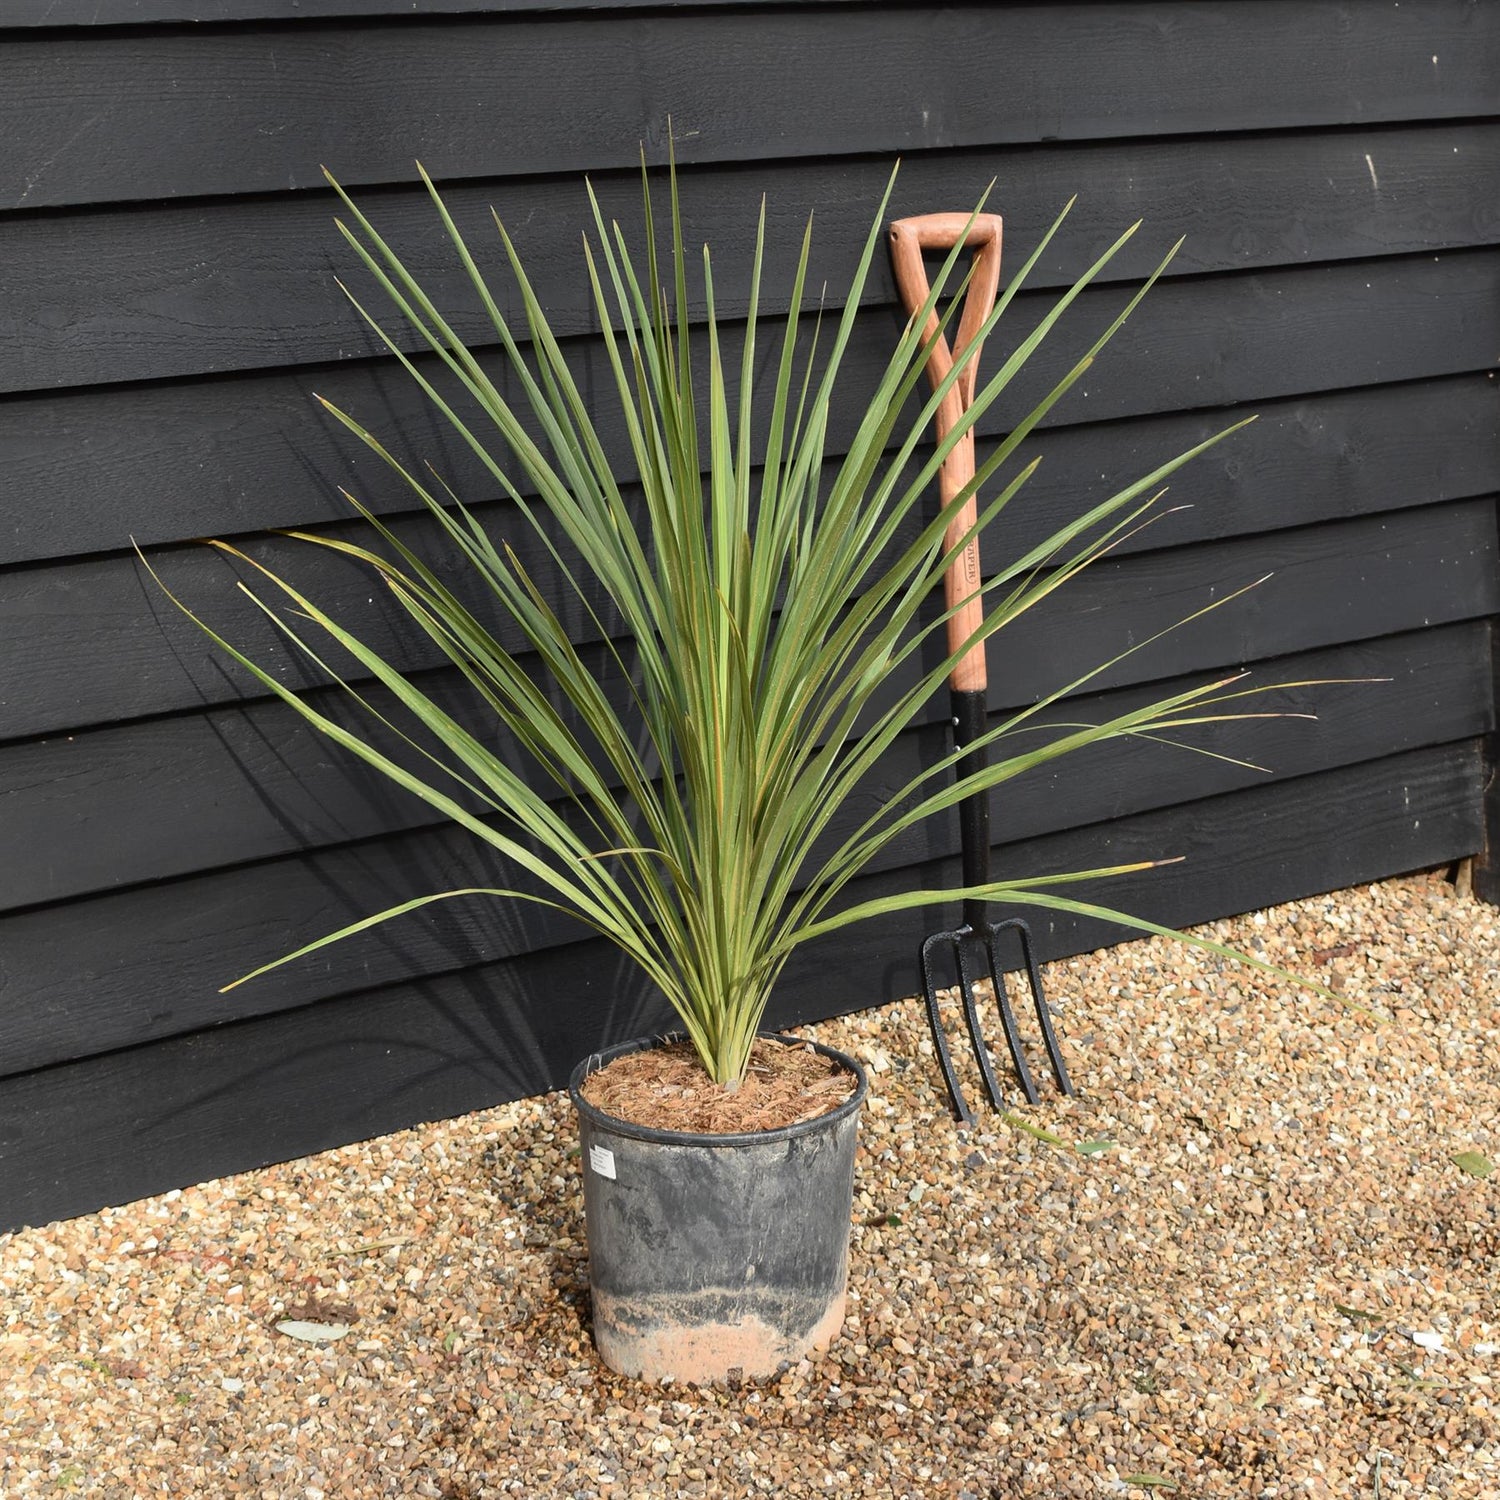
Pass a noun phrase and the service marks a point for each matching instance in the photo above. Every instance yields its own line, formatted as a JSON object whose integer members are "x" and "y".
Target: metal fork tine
{"x": 966, "y": 938}
{"x": 1008, "y": 1020}
{"x": 1043, "y": 1014}
{"x": 935, "y": 1021}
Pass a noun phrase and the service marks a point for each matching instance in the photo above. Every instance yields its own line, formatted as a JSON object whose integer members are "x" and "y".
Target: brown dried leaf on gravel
{"x": 316, "y": 1311}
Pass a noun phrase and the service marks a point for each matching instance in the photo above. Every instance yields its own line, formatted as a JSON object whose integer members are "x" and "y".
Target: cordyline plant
{"x": 773, "y": 613}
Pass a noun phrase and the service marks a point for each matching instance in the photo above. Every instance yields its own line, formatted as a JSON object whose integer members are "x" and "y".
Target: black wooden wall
{"x": 168, "y": 262}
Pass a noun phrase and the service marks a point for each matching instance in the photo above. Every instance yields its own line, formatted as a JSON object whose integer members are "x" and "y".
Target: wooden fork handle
{"x": 909, "y": 239}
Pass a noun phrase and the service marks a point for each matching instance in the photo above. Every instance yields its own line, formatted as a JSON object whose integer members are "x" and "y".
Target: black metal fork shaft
{"x": 970, "y": 720}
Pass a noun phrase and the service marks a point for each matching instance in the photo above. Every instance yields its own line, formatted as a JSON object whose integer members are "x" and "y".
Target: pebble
{"x": 1272, "y": 1281}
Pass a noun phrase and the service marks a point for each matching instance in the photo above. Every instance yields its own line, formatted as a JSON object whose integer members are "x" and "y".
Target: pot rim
{"x": 595, "y": 1061}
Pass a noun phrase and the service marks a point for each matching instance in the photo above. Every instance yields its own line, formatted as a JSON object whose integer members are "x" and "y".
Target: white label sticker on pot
{"x": 602, "y": 1161}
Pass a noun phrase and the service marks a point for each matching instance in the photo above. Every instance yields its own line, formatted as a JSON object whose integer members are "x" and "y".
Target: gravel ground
{"x": 1274, "y": 1280}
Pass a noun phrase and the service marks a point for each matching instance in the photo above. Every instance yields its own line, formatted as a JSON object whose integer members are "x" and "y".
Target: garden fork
{"x": 973, "y": 945}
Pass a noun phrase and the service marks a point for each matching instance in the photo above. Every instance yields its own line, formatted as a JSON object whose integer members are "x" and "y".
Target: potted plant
{"x": 775, "y": 603}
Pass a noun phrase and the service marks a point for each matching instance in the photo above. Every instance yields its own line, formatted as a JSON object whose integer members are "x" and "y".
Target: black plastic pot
{"x": 712, "y": 1256}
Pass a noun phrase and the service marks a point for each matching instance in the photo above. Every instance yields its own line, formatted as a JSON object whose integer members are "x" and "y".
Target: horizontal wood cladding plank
{"x": 1323, "y": 584}
{"x": 163, "y": 461}
{"x": 83, "y": 814}
{"x": 96, "y": 117}
{"x": 1323, "y": 457}
{"x": 60, "y": 13}
{"x": 115, "y": 1127}
{"x": 1337, "y": 454}
{"x": 97, "y": 642}
{"x": 119, "y": 968}
{"x": 169, "y": 290}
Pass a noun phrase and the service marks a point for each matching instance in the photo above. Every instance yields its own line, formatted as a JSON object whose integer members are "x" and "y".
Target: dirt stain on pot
{"x": 660, "y": 1337}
